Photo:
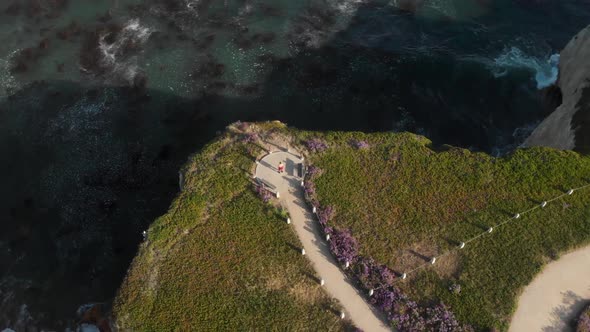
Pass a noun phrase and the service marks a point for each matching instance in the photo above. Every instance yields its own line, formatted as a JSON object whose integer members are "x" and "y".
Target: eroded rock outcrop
{"x": 568, "y": 127}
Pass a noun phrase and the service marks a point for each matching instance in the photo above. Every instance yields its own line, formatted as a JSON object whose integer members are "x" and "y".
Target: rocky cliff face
{"x": 568, "y": 127}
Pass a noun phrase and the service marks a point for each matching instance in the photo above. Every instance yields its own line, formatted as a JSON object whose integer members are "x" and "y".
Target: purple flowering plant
{"x": 313, "y": 171}
{"x": 249, "y": 138}
{"x": 325, "y": 214}
{"x": 439, "y": 318}
{"x": 309, "y": 188}
{"x": 360, "y": 144}
{"x": 343, "y": 246}
{"x": 263, "y": 193}
{"x": 316, "y": 145}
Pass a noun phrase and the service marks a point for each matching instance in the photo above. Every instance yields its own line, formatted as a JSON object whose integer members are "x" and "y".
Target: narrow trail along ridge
{"x": 554, "y": 298}
{"x": 357, "y": 309}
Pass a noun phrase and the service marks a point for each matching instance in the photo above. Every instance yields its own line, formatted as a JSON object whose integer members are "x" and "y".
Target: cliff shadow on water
{"x": 84, "y": 172}
{"x": 86, "y": 169}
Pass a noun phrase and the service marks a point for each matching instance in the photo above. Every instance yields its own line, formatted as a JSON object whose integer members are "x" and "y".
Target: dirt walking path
{"x": 551, "y": 302}
{"x": 361, "y": 313}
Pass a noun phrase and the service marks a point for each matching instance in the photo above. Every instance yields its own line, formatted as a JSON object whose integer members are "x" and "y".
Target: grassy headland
{"x": 406, "y": 202}
{"x": 221, "y": 259}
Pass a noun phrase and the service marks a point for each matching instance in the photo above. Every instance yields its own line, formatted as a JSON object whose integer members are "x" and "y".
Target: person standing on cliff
{"x": 281, "y": 167}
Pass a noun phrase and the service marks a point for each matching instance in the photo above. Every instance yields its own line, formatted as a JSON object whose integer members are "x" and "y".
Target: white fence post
{"x": 571, "y": 191}
{"x": 462, "y": 245}
{"x": 371, "y": 292}
{"x": 491, "y": 229}
{"x": 342, "y": 315}
{"x": 433, "y": 260}
{"x": 322, "y": 282}
{"x": 288, "y": 221}
{"x": 516, "y": 216}
{"x": 302, "y": 251}
{"x": 327, "y": 237}
{"x": 544, "y": 204}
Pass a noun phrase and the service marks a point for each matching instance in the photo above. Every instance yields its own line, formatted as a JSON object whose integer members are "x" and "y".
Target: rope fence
{"x": 489, "y": 230}
{"x": 435, "y": 259}
{"x": 462, "y": 245}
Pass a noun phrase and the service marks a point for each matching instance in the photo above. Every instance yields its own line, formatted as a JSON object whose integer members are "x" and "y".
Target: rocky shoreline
{"x": 568, "y": 127}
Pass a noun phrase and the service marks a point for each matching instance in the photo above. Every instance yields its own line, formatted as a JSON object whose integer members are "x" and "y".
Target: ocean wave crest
{"x": 546, "y": 71}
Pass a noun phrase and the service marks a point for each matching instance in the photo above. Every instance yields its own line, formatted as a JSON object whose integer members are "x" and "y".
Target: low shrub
{"x": 263, "y": 193}
{"x": 359, "y": 144}
{"x": 249, "y": 138}
{"x": 316, "y": 145}
{"x": 343, "y": 246}
{"x": 243, "y": 126}
{"x": 455, "y": 288}
{"x": 325, "y": 214}
{"x": 313, "y": 171}
{"x": 309, "y": 188}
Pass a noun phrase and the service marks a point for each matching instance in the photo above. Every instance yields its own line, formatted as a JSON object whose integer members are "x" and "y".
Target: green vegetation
{"x": 406, "y": 202}
{"x": 221, "y": 259}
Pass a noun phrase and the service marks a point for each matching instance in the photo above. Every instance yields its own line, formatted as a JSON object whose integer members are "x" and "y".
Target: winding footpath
{"x": 549, "y": 304}
{"x": 554, "y": 298}
{"x": 361, "y": 313}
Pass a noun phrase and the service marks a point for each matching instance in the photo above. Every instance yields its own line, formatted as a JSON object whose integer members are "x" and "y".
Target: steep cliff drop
{"x": 568, "y": 127}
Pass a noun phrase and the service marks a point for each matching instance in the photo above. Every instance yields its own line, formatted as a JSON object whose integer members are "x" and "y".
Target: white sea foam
{"x": 546, "y": 71}
{"x": 347, "y": 7}
{"x": 112, "y": 53}
{"x": 8, "y": 83}
{"x": 132, "y": 32}
{"x": 192, "y": 5}
{"x": 315, "y": 32}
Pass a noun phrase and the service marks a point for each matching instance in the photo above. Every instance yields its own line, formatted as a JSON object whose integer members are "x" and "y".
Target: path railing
{"x": 464, "y": 243}
{"x": 489, "y": 230}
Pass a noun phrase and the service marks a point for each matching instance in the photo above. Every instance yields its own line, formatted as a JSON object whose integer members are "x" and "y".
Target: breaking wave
{"x": 546, "y": 71}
